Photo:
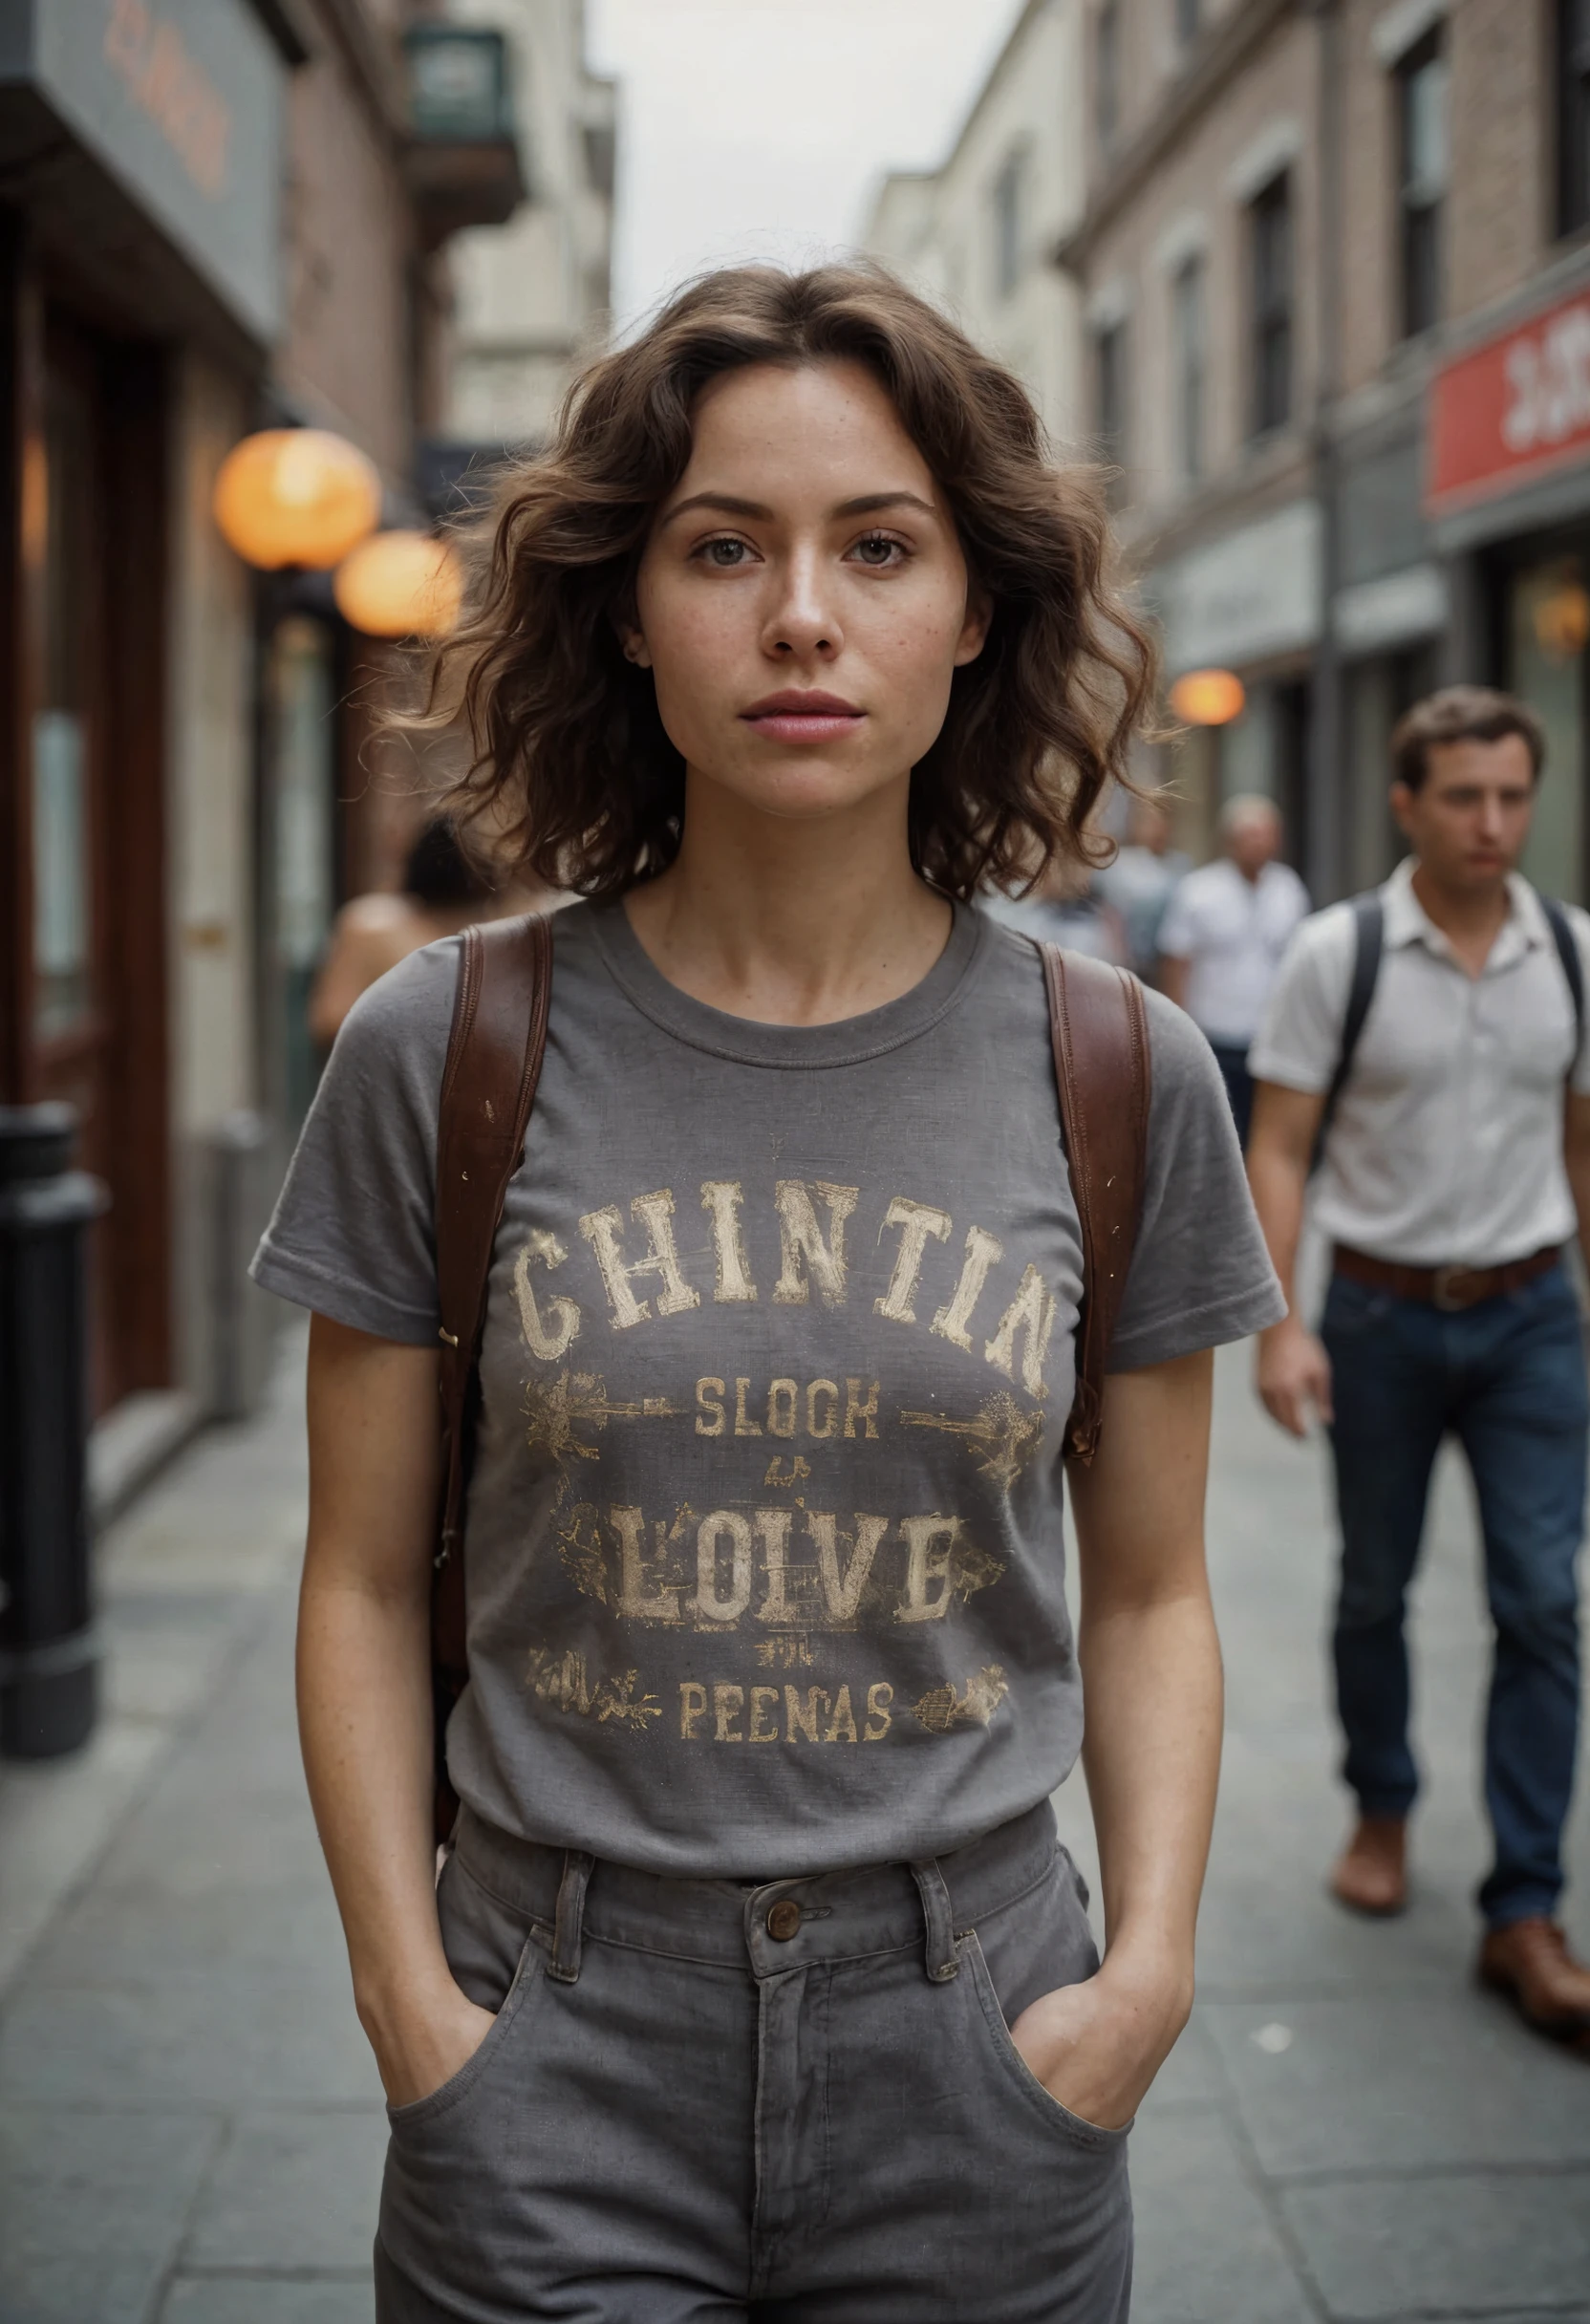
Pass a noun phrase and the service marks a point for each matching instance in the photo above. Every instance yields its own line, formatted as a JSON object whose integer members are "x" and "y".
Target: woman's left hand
{"x": 1096, "y": 2047}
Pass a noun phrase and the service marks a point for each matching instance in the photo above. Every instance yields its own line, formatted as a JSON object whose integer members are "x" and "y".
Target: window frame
{"x": 1111, "y": 362}
{"x": 1421, "y": 202}
{"x": 1273, "y": 293}
{"x": 1007, "y": 204}
{"x": 1190, "y": 366}
{"x": 1107, "y": 77}
{"x": 1571, "y": 59}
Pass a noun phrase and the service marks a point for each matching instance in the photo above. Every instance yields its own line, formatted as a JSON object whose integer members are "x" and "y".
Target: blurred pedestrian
{"x": 1140, "y": 883}
{"x": 444, "y": 888}
{"x": 1223, "y": 934}
{"x": 1447, "y": 1014}
{"x": 756, "y": 1981}
{"x": 1067, "y": 906}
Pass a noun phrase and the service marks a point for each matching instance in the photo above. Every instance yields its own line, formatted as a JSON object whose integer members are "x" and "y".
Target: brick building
{"x": 1326, "y": 248}
{"x": 977, "y": 231}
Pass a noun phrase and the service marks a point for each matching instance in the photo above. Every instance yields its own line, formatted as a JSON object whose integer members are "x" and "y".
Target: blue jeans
{"x": 1231, "y": 1057}
{"x": 1507, "y": 1378}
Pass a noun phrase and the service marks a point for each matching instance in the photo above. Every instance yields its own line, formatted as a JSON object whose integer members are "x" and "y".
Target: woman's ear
{"x": 635, "y": 647}
{"x": 973, "y": 635}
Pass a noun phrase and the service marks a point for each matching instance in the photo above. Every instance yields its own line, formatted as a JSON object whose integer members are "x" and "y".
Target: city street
{"x": 190, "y": 2126}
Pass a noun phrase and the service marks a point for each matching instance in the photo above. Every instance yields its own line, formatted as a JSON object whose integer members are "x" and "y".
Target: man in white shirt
{"x": 1223, "y": 936}
{"x": 1457, "y": 1167}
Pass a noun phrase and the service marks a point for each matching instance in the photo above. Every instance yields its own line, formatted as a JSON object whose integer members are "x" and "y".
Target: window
{"x": 1573, "y": 128}
{"x": 1422, "y": 180}
{"x": 1110, "y": 398}
{"x": 1189, "y": 334}
{"x": 1008, "y": 189}
{"x": 1271, "y": 229}
{"x": 1106, "y": 67}
{"x": 1190, "y": 22}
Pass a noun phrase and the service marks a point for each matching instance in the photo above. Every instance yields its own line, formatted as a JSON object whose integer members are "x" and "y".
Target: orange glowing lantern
{"x": 296, "y": 496}
{"x": 1562, "y": 621}
{"x": 400, "y": 585}
{"x": 1208, "y": 697}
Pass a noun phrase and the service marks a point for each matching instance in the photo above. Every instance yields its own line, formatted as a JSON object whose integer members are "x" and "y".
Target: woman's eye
{"x": 878, "y": 549}
{"x": 725, "y": 553}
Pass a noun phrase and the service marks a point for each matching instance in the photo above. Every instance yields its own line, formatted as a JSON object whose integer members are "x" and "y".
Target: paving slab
{"x": 90, "y": 2210}
{"x": 1400, "y": 2082}
{"x": 291, "y": 2189}
{"x": 1208, "y": 2250}
{"x": 1462, "y": 2246}
{"x": 261, "y": 2300}
{"x": 218, "y": 2041}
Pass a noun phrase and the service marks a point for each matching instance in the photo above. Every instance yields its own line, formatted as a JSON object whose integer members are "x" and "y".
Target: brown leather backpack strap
{"x": 494, "y": 1053}
{"x": 1100, "y": 1032}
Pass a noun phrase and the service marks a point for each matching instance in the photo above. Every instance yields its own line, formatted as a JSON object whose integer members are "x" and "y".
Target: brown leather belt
{"x": 1451, "y": 1289}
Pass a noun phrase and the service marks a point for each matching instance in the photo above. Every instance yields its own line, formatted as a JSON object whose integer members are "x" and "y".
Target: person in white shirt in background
{"x": 1141, "y": 882}
{"x": 1223, "y": 936}
{"x": 1455, "y": 1171}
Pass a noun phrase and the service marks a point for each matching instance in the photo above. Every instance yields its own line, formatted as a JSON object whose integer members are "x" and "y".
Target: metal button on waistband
{"x": 783, "y": 1919}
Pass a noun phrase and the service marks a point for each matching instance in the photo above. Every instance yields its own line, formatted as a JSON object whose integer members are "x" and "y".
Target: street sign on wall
{"x": 1513, "y": 409}
{"x": 181, "y": 101}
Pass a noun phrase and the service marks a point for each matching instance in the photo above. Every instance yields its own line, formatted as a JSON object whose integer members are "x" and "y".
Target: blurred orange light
{"x": 400, "y": 585}
{"x": 296, "y": 496}
{"x": 1562, "y": 622}
{"x": 1208, "y": 697}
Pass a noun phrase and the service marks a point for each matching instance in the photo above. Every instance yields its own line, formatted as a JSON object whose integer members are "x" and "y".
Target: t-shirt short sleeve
{"x": 353, "y": 1235}
{"x": 1200, "y": 1274}
{"x": 1178, "y": 931}
{"x": 1299, "y": 1040}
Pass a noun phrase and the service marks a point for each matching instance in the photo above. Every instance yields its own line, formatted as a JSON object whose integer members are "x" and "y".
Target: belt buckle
{"x": 1441, "y": 1292}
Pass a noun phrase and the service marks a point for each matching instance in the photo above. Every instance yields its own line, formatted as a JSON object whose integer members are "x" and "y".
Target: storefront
{"x": 1509, "y": 498}
{"x": 1248, "y": 602}
{"x": 138, "y": 297}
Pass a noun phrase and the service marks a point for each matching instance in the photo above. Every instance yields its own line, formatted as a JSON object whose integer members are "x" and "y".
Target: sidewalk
{"x": 190, "y": 2127}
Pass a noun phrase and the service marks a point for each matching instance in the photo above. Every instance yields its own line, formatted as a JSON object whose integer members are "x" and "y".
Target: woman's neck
{"x": 791, "y": 920}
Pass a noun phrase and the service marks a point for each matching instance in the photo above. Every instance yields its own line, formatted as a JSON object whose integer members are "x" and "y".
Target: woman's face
{"x": 803, "y": 600}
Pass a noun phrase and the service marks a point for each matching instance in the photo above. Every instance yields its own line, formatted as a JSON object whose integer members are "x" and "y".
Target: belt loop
{"x": 943, "y": 1961}
{"x": 569, "y": 1928}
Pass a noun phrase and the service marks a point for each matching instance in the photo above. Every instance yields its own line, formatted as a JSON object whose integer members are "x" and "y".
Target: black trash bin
{"x": 49, "y": 1657}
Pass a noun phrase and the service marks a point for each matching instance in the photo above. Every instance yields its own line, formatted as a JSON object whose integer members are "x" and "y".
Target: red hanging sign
{"x": 1517, "y": 407}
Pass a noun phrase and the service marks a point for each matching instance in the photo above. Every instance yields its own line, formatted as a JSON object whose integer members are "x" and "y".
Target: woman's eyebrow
{"x": 725, "y": 502}
{"x": 871, "y": 503}
{"x": 728, "y": 503}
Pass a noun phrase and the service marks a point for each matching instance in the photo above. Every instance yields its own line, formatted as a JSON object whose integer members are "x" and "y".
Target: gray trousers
{"x": 797, "y": 2102}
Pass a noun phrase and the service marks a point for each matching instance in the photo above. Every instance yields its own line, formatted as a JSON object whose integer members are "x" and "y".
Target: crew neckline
{"x": 849, "y": 1040}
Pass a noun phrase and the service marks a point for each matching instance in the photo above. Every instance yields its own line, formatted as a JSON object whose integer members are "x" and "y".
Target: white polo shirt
{"x": 1232, "y": 933}
{"x": 1447, "y": 1145}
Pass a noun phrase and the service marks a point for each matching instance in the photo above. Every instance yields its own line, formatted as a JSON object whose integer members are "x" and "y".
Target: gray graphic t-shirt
{"x": 765, "y": 1569}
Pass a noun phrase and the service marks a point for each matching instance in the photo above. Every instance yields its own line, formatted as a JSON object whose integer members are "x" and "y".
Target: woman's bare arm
{"x": 364, "y": 1699}
{"x": 1150, "y": 1664}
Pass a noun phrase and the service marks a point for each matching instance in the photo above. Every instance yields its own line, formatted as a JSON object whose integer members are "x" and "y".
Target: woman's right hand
{"x": 425, "y": 2044}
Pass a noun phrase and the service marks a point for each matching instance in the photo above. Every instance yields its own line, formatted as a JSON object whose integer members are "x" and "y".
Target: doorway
{"x": 93, "y": 1006}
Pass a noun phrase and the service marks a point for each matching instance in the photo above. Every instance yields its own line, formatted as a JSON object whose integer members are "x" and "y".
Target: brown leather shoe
{"x": 1529, "y": 1961}
{"x": 1370, "y": 1875}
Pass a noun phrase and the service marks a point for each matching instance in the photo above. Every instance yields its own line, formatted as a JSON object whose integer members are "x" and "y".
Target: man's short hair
{"x": 1247, "y": 807}
{"x": 1462, "y": 714}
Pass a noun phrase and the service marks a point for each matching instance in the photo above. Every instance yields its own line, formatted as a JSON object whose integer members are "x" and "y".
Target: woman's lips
{"x": 803, "y": 717}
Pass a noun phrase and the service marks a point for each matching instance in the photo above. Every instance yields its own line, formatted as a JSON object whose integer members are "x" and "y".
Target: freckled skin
{"x": 870, "y": 607}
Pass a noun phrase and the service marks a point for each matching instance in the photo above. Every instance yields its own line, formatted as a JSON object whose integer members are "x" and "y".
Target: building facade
{"x": 533, "y": 299}
{"x": 217, "y": 215}
{"x": 975, "y": 234}
{"x": 1330, "y": 263}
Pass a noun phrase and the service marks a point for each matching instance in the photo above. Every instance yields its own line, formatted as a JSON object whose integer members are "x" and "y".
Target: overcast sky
{"x": 760, "y": 127}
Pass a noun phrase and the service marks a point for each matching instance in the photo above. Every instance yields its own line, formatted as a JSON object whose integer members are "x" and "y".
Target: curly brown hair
{"x": 569, "y": 763}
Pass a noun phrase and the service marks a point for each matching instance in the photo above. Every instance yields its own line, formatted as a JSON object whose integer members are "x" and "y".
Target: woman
{"x": 754, "y": 1981}
{"x": 443, "y": 891}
